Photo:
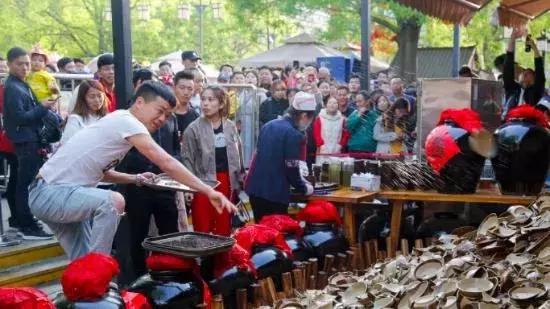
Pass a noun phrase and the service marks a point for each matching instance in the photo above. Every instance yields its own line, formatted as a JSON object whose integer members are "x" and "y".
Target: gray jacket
{"x": 199, "y": 154}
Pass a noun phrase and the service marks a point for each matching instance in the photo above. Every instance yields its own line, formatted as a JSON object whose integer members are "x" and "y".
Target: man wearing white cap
{"x": 276, "y": 164}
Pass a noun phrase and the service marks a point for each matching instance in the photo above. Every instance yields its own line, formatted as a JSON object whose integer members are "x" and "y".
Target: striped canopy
{"x": 511, "y": 13}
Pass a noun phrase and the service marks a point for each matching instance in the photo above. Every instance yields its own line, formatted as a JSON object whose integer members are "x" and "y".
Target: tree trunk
{"x": 407, "y": 39}
{"x": 102, "y": 44}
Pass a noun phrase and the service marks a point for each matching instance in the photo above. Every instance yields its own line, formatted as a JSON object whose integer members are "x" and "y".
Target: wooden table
{"x": 398, "y": 199}
{"x": 346, "y": 198}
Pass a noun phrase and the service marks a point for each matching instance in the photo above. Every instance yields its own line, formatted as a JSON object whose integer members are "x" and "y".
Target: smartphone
{"x": 296, "y": 64}
{"x": 527, "y": 45}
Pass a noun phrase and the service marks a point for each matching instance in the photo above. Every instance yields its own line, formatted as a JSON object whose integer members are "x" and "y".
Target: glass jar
{"x": 334, "y": 170}
{"x": 347, "y": 171}
{"x": 325, "y": 172}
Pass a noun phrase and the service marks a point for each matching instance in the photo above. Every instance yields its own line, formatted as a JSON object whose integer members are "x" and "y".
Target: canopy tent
{"x": 519, "y": 12}
{"x": 511, "y": 13}
{"x": 303, "y": 48}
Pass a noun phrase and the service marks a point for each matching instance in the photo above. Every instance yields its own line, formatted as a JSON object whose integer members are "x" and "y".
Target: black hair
{"x": 78, "y": 60}
{"x": 61, "y": 63}
{"x": 264, "y": 67}
{"x": 150, "y": 90}
{"x": 141, "y": 75}
{"x": 375, "y": 93}
{"x": 163, "y": 63}
{"x": 354, "y": 75}
{"x": 2, "y": 58}
{"x": 364, "y": 94}
{"x": 323, "y": 81}
{"x": 225, "y": 65}
{"x": 499, "y": 60}
{"x": 401, "y": 103}
{"x": 16, "y": 52}
{"x": 235, "y": 73}
{"x": 342, "y": 87}
{"x": 51, "y": 67}
{"x": 105, "y": 59}
{"x": 183, "y": 75}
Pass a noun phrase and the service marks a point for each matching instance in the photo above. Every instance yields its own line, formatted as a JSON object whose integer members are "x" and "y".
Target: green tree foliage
{"x": 488, "y": 39}
{"x": 79, "y": 28}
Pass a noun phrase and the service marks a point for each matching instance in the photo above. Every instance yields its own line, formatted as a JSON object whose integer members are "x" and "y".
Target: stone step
{"x": 33, "y": 274}
{"x": 29, "y": 252}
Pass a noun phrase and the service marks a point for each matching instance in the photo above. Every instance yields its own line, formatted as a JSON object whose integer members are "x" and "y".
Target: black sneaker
{"x": 12, "y": 223}
{"x": 34, "y": 233}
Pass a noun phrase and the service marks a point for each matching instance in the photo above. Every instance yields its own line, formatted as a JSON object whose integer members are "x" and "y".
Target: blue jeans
{"x": 82, "y": 218}
{"x": 29, "y": 162}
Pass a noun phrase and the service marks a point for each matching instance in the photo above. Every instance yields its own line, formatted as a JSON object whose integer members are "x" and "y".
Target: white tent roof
{"x": 303, "y": 48}
{"x": 174, "y": 58}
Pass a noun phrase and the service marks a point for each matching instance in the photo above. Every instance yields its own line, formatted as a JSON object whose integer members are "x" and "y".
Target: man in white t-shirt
{"x": 64, "y": 195}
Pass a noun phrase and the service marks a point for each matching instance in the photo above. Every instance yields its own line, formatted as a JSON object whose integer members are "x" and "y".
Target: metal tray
{"x": 211, "y": 244}
{"x": 326, "y": 186}
{"x": 155, "y": 183}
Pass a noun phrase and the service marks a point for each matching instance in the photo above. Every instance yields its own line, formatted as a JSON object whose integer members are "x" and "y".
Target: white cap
{"x": 544, "y": 102}
{"x": 304, "y": 101}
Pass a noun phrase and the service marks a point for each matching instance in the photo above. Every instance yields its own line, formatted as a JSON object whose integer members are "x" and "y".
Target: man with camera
{"x": 529, "y": 88}
{"x": 24, "y": 124}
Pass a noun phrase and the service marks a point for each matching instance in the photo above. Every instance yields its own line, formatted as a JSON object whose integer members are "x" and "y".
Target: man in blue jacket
{"x": 279, "y": 155}
{"x": 23, "y": 121}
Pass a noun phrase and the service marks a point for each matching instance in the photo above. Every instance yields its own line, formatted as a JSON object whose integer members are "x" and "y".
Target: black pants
{"x": 30, "y": 159}
{"x": 12, "y": 184}
{"x": 141, "y": 203}
{"x": 262, "y": 207}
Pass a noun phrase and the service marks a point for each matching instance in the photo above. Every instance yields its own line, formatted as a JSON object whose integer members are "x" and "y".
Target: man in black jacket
{"x": 530, "y": 87}
{"x": 143, "y": 202}
{"x": 23, "y": 115}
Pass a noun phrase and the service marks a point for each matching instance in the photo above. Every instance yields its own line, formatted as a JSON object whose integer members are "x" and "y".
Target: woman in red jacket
{"x": 329, "y": 129}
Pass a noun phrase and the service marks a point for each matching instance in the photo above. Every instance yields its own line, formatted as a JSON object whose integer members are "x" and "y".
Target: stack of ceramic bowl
{"x": 505, "y": 263}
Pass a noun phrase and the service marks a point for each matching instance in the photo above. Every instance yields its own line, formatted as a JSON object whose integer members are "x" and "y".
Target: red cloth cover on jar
{"x": 237, "y": 256}
{"x": 87, "y": 278}
{"x": 465, "y": 118}
{"x": 24, "y": 298}
{"x": 283, "y": 224}
{"x": 440, "y": 148}
{"x": 528, "y": 112}
{"x": 165, "y": 261}
{"x": 319, "y": 212}
{"x": 135, "y": 300}
{"x": 257, "y": 234}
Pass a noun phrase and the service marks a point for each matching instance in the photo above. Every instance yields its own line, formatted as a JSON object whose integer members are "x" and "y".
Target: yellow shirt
{"x": 397, "y": 146}
{"x": 40, "y": 84}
